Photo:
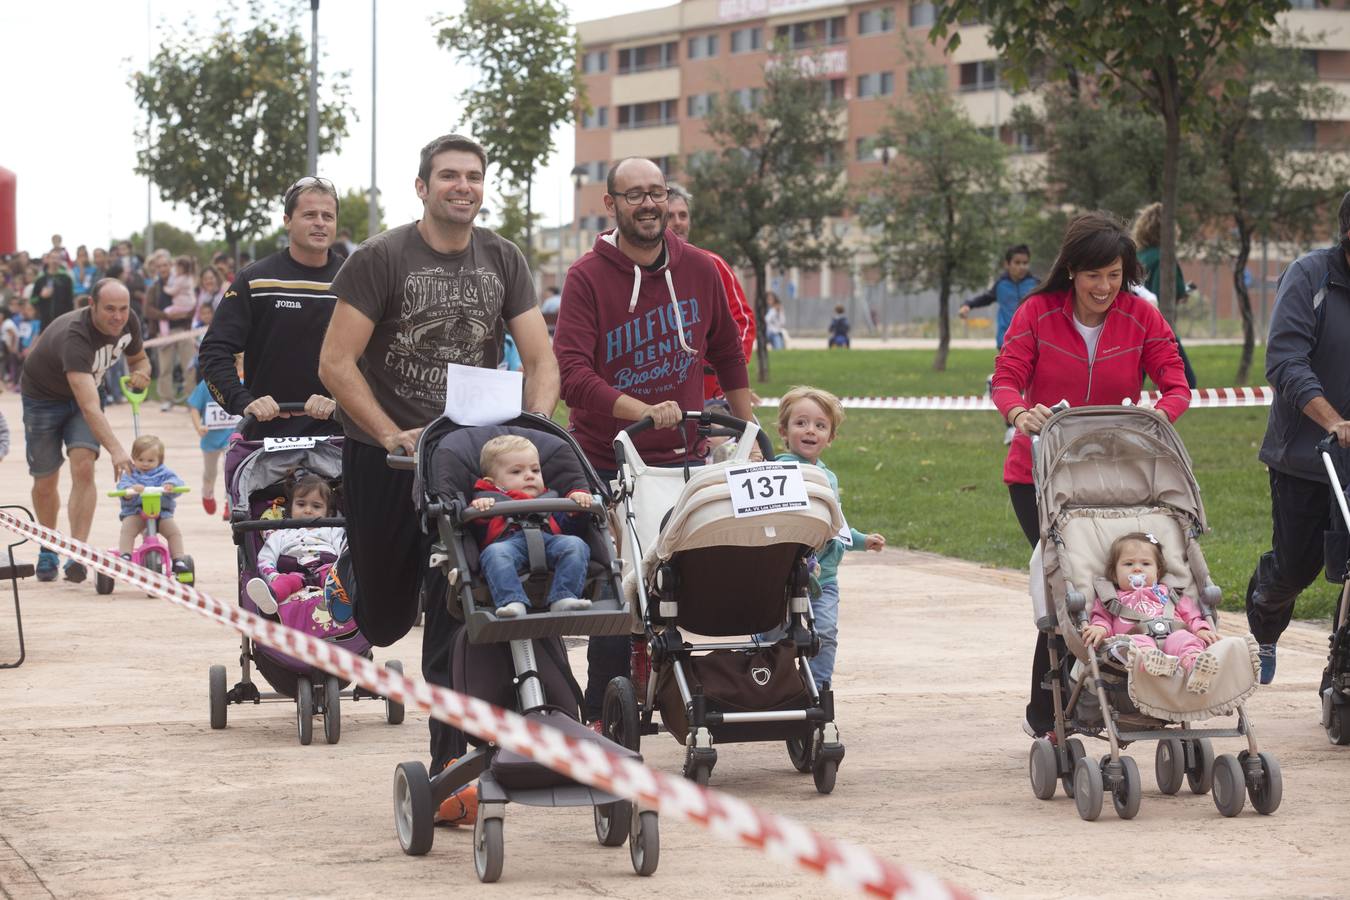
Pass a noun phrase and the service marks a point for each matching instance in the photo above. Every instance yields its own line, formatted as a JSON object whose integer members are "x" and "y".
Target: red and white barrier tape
{"x": 846, "y": 865}
{"x": 1204, "y": 398}
{"x": 174, "y": 337}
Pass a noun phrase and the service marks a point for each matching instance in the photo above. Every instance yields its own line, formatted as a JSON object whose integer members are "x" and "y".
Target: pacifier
{"x": 1137, "y": 580}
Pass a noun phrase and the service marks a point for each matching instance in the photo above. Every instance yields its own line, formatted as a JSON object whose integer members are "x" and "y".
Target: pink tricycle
{"x": 152, "y": 551}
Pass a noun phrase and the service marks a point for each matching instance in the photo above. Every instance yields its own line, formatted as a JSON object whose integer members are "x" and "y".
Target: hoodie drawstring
{"x": 679, "y": 320}
{"x": 637, "y": 286}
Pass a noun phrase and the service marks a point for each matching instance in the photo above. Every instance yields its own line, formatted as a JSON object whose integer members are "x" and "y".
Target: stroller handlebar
{"x": 530, "y": 507}
{"x": 705, "y": 418}
{"x": 396, "y": 461}
{"x": 1328, "y": 443}
{"x": 151, "y": 491}
{"x": 289, "y": 524}
{"x": 248, "y": 421}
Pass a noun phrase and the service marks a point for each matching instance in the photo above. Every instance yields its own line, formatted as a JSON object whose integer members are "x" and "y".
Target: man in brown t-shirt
{"x": 61, "y": 405}
{"x": 409, "y": 301}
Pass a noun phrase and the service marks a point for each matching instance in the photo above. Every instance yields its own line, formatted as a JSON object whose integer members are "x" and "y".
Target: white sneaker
{"x": 261, "y": 595}
{"x": 166, "y": 405}
{"x": 511, "y": 610}
{"x": 568, "y": 604}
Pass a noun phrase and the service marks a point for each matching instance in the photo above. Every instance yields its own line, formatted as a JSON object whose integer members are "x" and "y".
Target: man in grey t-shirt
{"x": 410, "y": 301}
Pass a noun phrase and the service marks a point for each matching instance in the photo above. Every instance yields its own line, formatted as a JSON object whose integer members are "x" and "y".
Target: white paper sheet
{"x": 478, "y": 396}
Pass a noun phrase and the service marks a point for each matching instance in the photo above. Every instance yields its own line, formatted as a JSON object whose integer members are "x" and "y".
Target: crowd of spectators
{"x": 167, "y": 294}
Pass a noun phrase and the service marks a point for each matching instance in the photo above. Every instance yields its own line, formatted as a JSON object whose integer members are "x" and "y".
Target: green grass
{"x": 933, "y": 480}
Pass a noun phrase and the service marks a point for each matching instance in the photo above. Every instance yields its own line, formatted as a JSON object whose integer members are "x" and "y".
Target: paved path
{"x": 112, "y": 784}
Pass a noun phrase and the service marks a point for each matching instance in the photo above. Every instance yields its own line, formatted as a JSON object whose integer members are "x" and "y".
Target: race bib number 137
{"x": 767, "y": 487}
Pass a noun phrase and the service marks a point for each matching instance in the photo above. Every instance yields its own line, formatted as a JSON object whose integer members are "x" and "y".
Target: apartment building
{"x": 652, "y": 76}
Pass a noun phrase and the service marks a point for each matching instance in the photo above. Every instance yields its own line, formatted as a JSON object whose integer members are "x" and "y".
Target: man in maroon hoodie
{"x": 641, "y": 312}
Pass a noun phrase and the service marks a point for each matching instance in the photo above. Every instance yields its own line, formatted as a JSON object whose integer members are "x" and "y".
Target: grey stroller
{"x": 1101, "y": 472}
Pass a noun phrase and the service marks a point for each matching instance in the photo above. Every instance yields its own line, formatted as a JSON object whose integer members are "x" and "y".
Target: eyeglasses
{"x": 308, "y": 181}
{"x": 636, "y": 195}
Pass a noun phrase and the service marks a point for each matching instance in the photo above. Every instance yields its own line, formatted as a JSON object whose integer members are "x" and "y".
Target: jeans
{"x": 47, "y": 424}
{"x": 825, "y": 610}
{"x": 504, "y": 559}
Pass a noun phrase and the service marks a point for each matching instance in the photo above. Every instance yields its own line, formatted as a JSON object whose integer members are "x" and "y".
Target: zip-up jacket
{"x": 1009, "y": 295}
{"x": 741, "y": 313}
{"x": 624, "y": 330}
{"x": 1306, "y": 358}
{"x": 1044, "y": 360}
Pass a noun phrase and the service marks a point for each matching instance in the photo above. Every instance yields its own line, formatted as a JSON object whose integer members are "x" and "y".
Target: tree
{"x": 1167, "y": 56}
{"x": 766, "y": 194}
{"x": 227, "y": 110}
{"x": 937, "y": 208}
{"x": 1272, "y": 184}
{"x": 515, "y": 224}
{"x": 167, "y": 237}
{"x": 354, "y": 214}
{"x": 528, "y": 82}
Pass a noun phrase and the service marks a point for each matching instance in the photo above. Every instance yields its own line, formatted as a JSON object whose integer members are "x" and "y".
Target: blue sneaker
{"x": 47, "y": 564}
{"x": 1266, "y": 654}
{"x": 335, "y": 597}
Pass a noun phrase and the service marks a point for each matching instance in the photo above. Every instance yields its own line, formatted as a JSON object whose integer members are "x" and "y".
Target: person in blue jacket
{"x": 1011, "y": 288}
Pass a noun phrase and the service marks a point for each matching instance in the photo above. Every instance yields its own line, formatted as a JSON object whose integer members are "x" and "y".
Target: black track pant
{"x": 389, "y": 558}
{"x": 1041, "y": 703}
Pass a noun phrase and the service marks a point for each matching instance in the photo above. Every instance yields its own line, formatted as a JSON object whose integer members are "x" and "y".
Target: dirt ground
{"x": 112, "y": 783}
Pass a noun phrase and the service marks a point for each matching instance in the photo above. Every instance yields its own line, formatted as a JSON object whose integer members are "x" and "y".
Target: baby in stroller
{"x": 511, "y": 471}
{"x": 296, "y": 561}
{"x": 1142, "y": 611}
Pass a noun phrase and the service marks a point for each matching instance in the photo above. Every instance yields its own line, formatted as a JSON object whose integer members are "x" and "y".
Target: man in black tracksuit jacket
{"x": 1307, "y": 365}
{"x": 276, "y": 313}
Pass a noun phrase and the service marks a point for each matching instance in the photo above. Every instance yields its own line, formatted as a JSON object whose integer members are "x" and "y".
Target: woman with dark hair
{"x": 1080, "y": 337}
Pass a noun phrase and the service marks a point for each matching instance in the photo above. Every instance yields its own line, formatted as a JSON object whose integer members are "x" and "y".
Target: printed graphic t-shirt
{"x": 429, "y": 309}
{"x": 71, "y": 343}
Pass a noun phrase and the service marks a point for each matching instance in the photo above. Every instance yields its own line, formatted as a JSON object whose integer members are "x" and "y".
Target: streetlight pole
{"x": 312, "y": 158}
{"x": 149, "y": 139}
{"x": 374, "y": 222}
{"x": 579, "y": 177}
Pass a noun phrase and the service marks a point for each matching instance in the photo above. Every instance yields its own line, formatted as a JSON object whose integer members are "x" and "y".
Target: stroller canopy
{"x": 454, "y": 456}
{"x": 1113, "y": 456}
{"x": 267, "y": 467}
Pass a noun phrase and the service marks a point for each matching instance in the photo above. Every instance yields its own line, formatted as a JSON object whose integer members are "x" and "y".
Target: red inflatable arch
{"x": 9, "y": 237}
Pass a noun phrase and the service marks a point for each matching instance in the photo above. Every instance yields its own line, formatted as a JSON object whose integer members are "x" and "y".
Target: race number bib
{"x": 845, "y": 535}
{"x": 217, "y": 419}
{"x": 767, "y": 487}
{"x": 273, "y": 444}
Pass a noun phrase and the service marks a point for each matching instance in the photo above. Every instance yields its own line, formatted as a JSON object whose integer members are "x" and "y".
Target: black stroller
{"x": 517, "y": 663}
{"x": 1336, "y": 693}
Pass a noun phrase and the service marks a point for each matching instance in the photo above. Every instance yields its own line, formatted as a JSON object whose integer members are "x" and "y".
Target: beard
{"x": 629, "y": 229}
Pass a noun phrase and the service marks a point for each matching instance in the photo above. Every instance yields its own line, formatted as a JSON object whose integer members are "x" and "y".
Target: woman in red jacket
{"x": 1081, "y": 337}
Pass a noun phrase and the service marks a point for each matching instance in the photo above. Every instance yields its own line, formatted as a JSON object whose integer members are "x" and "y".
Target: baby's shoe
{"x": 568, "y": 604}
{"x": 1158, "y": 663}
{"x": 261, "y": 595}
{"x": 512, "y": 610}
{"x": 209, "y": 504}
{"x": 1205, "y": 667}
{"x": 336, "y": 598}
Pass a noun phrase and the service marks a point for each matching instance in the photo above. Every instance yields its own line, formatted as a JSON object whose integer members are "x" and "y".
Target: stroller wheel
{"x": 103, "y": 583}
{"x": 698, "y": 764}
{"x": 1127, "y": 792}
{"x": 1267, "y": 789}
{"x": 1170, "y": 765}
{"x": 1230, "y": 793}
{"x": 1087, "y": 789}
{"x": 304, "y": 710}
{"x": 1043, "y": 768}
{"x": 332, "y": 709}
{"x": 619, "y": 714}
{"x": 1200, "y": 765}
{"x": 219, "y": 697}
{"x": 799, "y": 752}
{"x": 1074, "y": 748}
{"x": 644, "y": 843}
{"x": 414, "y": 813}
{"x": 393, "y": 712}
{"x": 824, "y": 774}
{"x": 489, "y": 849}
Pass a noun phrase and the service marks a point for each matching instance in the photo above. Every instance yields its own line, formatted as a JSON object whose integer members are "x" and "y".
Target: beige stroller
{"x": 699, "y": 560}
{"x": 1101, "y": 472}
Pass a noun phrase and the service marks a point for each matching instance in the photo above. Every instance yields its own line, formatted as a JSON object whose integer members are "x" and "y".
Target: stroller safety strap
{"x": 534, "y": 546}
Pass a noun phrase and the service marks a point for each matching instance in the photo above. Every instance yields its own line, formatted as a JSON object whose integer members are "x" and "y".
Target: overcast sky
{"x": 69, "y": 133}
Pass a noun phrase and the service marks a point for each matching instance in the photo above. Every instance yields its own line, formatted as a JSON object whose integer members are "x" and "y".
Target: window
{"x": 748, "y": 98}
{"x": 816, "y": 33}
{"x": 1307, "y": 138}
{"x": 837, "y": 90}
{"x": 876, "y": 21}
{"x": 703, "y": 47}
{"x": 1309, "y": 59}
{"x": 1305, "y": 4}
{"x": 1024, "y": 141}
{"x": 699, "y": 105}
{"x": 876, "y": 84}
{"x": 863, "y": 149}
{"x": 921, "y": 15}
{"x": 923, "y": 78}
{"x": 595, "y": 61}
{"x": 745, "y": 40}
{"x": 979, "y": 76}
{"x": 647, "y": 115}
{"x": 595, "y": 171}
{"x": 596, "y": 118}
{"x": 652, "y": 56}
{"x": 665, "y": 163}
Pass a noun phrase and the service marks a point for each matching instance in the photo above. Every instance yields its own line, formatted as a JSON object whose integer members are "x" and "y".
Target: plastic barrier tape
{"x": 174, "y": 337}
{"x": 846, "y": 865}
{"x": 1203, "y": 398}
